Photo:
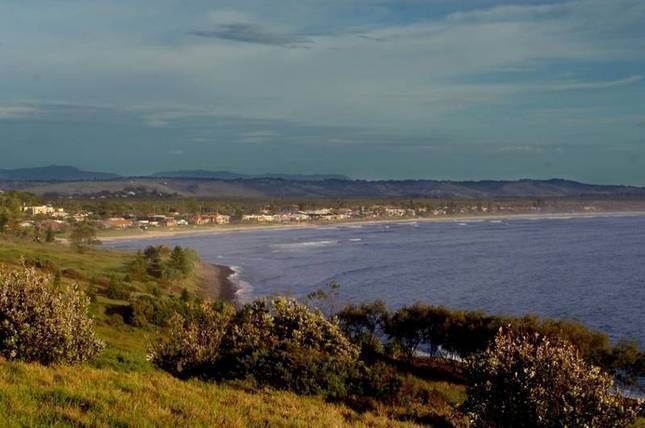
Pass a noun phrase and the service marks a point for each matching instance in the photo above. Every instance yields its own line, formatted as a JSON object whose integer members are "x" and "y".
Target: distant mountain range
{"x": 70, "y": 173}
{"x": 53, "y": 173}
{"x": 66, "y": 181}
{"x": 226, "y": 175}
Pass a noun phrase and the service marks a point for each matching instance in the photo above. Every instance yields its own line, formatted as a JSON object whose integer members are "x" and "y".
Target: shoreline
{"x": 214, "y": 230}
{"x": 215, "y": 282}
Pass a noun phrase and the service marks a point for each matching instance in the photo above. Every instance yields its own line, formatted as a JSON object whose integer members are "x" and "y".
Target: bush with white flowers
{"x": 41, "y": 320}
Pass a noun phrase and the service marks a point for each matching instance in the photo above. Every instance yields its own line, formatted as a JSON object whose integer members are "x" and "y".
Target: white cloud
{"x": 17, "y": 112}
{"x": 604, "y": 84}
{"x": 223, "y": 17}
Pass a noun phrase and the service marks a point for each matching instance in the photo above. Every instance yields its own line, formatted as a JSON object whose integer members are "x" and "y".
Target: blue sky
{"x": 440, "y": 89}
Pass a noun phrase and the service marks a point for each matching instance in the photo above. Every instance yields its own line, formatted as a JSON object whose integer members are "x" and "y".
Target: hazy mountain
{"x": 53, "y": 173}
{"x": 227, "y": 175}
{"x": 280, "y": 188}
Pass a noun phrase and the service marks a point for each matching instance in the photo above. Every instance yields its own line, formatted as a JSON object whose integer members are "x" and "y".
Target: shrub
{"x": 382, "y": 381}
{"x": 192, "y": 343}
{"x": 163, "y": 263}
{"x": 117, "y": 290}
{"x": 40, "y": 262}
{"x": 279, "y": 343}
{"x": 535, "y": 381}
{"x": 42, "y": 321}
{"x": 144, "y": 310}
{"x": 272, "y": 340}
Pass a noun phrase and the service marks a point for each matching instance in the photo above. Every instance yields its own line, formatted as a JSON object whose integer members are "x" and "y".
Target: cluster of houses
{"x": 163, "y": 221}
{"x": 47, "y": 216}
{"x": 57, "y": 219}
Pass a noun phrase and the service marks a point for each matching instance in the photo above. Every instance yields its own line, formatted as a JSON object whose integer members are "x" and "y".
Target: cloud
{"x": 247, "y": 32}
{"x": 604, "y": 84}
{"x": 17, "y": 112}
{"x": 157, "y": 123}
{"x": 512, "y": 13}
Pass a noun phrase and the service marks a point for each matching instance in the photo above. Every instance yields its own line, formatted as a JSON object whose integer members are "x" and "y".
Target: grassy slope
{"x": 121, "y": 388}
{"x": 31, "y": 394}
{"x": 92, "y": 263}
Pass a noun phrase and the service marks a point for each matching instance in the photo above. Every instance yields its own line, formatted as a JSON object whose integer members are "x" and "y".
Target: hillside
{"x": 52, "y": 173}
{"x": 227, "y": 175}
{"x": 274, "y": 188}
{"x": 33, "y": 395}
{"x": 121, "y": 387}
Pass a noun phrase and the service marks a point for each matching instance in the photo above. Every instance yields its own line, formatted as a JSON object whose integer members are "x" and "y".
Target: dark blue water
{"x": 587, "y": 269}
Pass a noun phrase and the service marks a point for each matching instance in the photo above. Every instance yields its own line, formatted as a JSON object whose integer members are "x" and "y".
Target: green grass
{"x": 91, "y": 263}
{"x": 33, "y": 395}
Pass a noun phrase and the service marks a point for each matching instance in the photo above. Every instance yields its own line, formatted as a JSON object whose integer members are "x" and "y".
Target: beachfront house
{"x": 39, "y": 209}
{"x": 116, "y": 223}
{"x": 258, "y": 218}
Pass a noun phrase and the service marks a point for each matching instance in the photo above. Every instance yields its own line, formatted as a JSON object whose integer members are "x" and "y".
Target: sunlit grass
{"x": 31, "y": 394}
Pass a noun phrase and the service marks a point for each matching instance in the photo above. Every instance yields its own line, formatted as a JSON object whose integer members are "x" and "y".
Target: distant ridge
{"x": 227, "y": 175}
{"x": 53, "y": 173}
{"x": 70, "y": 181}
{"x": 280, "y": 188}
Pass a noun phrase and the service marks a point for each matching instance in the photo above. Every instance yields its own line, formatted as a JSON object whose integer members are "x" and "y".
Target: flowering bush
{"x": 43, "y": 321}
{"x": 535, "y": 381}
{"x": 192, "y": 344}
{"x": 286, "y": 344}
{"x": 278, "y": 342}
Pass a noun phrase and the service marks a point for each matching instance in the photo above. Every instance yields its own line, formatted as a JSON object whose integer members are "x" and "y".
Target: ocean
{"x": 589, "y": 269}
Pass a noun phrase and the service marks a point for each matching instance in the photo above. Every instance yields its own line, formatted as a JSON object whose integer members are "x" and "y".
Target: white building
{"x": 39, "y": 209}
{"x": 259, "y": 218}
{"x": 222, "y": 219}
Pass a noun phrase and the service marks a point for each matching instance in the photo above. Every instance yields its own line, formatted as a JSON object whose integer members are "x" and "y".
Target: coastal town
{"x": 59, "y": 219}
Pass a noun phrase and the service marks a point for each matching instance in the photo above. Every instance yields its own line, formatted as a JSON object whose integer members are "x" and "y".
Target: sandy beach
{"x": 215, "y": 282}
{"x": 196, "y": 231}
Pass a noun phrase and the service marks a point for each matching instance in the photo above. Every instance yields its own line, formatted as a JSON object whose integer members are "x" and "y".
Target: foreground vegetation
{"x": 173, "y": 358}
{"x": 120, "y": 387}
{"x": 35, "y": 395}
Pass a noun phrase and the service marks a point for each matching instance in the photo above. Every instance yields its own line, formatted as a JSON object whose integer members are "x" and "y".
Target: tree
{"x": 155, "y": 264}
{"x": 181, "y": 259}
{"x": 4, "y": 219}
{"x": 328, "y": 300}
{"x": 138, "y": 267}
{"x": 83, "y": 235}
{"x": 365, "y": 320}
{"x": 409, "y": 327}
{"x": 50, "y": 236}
{"x": 364, "y": 326}
{"x": 537, "y": 381}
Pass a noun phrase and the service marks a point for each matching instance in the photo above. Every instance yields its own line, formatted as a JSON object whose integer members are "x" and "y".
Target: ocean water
{"x": 587, "y": 269}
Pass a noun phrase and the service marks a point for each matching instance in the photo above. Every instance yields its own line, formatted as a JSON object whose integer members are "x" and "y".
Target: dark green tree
{"x": 50, "y": 236}
{"x": 83, "y": 235}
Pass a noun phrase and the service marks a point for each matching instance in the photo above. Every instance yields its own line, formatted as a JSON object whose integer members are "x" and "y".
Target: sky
{"x": 376, "y": 89}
